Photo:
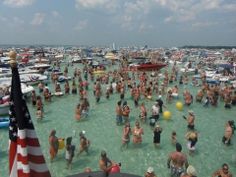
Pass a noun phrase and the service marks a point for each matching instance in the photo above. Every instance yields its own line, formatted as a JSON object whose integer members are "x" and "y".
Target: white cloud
{"x": 188, "y": 10}
{"x": 144, "y": 27}
{"x": 3, "y": 19}
{"x": 18, "y": 3}
{"x": 81, "y": 25}
{"x": 229, "y": 7}
{"x": 38, "y": 19}
{"x": 55, "y": 14}
{"x": 138, "y": 7}
{"x": 17, "y": 20}
{"x": 90, "y": 3}
{"x": 204, "y": 24}
{"x": 126, "y": 23}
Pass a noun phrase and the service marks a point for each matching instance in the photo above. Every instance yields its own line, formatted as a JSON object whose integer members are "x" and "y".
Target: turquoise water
{"x": 104, "y": 134}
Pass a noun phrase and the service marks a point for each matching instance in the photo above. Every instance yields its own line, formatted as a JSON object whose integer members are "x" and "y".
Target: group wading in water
{"x": 143, "y": 88}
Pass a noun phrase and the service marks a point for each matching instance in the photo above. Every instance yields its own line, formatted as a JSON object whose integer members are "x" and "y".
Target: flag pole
{"x": 12, "y": 55}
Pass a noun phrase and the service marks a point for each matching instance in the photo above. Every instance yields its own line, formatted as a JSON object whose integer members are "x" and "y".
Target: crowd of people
{"x": 141, "y": 86}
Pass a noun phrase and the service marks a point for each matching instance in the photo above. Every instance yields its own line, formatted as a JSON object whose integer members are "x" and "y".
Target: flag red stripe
{"x": 33, "y": 174}
{"x": 28, "y": 142}
{"x": 30, "y": 158}
{"x": 12, "y": 154}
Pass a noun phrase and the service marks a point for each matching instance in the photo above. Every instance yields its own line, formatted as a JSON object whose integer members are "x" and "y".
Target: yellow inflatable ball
{"x": 61, "y": 143}
{"x": 179, "y": 106}
{"x": 166, "y": 115}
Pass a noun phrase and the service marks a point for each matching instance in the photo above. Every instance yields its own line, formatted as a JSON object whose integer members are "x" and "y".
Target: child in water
{"x": 173, "y": 137}
{"x": 39, "y": 114}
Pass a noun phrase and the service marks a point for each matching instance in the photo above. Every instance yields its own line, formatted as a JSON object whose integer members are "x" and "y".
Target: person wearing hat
{"x": 190, "y": 119}
{"x": 150, "y": 172}
{"x": 192, "y": 138}
{"x": 191, "y": 172}
{"x": 157, "y": 135}
{"x": 177, "y": 162}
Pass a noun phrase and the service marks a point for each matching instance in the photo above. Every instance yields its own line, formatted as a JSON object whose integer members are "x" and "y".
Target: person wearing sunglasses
{"x": 223, "y": 172}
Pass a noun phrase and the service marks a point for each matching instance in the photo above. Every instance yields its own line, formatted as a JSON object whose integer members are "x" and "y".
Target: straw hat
{"x": 191, "y": 171}
{"x": 157, "y": 126}
{"x": 150, "y": 170}
{"x": 191, "y": 112}
{"x": 192, "y": 135}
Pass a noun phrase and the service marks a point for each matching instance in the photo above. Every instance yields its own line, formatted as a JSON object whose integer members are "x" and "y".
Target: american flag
{"x": 25, "y": 155}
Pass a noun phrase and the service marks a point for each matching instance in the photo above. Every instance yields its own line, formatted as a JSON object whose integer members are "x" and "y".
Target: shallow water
{"x": 104, "y": 134}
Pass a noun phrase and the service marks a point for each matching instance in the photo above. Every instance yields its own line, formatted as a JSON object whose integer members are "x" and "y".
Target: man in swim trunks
{"x": 177, "y": 162}
{"x": 223, "y": 172}
{"x": 105, "y": 163}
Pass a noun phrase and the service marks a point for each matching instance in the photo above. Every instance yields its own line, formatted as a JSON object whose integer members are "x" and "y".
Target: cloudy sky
{"x": 125, "y": 22}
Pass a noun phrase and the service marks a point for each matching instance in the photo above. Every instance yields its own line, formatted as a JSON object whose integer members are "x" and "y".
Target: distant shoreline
{"x": 67, "y": 45}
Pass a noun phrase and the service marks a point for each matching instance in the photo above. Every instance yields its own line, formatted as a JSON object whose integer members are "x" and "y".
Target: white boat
{"x": 76, "y": 59}
{"x": 25, "y": 89}
{"x": 41, "y": 66}
{"x": 187, "y": 70}
{"x": 4, "y": 108}
{"x": 32, "y": 78}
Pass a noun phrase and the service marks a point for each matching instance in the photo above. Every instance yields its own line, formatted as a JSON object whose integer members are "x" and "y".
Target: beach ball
{"x": 115, "y": 169}
{"x": 61, "y": 143}
{"x": 167, "y": 115}
{"x": 179, "y": 106}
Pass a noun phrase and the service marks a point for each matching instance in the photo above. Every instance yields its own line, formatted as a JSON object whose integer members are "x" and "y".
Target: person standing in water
{"x": 54, "y": 145}
{"x": 223, "y": 172}
{"x": 70, "y": 149}
{"x": 228, "y": 134}
{"x": 137, "y": 133}
{"x": 190, "y": 119}
{"x": 157, "y": 136}
{"x": 126, "y": 135}
{"x": 119, "y": 113}
{"x": 177, "y": 162}
{"x": 84, "y": 143}
{"x": 105, "y": 163}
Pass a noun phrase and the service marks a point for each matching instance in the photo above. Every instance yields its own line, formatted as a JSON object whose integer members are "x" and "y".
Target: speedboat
{"x": 148, "y": 66}
{"x": 32, "y": 78}
{"x": 188, "y": 70}
{"x": 41, "y": 66}
{"x": 25, "y": 89}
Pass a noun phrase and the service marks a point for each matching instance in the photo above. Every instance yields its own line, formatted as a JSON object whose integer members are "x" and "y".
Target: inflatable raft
{"x": 4, "y": 122}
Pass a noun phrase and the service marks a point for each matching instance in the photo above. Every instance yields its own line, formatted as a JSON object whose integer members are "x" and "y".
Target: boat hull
{"x": 4, "y": 122}
{"x": 4, "y": 109}
{"x": 150, "y": 67}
